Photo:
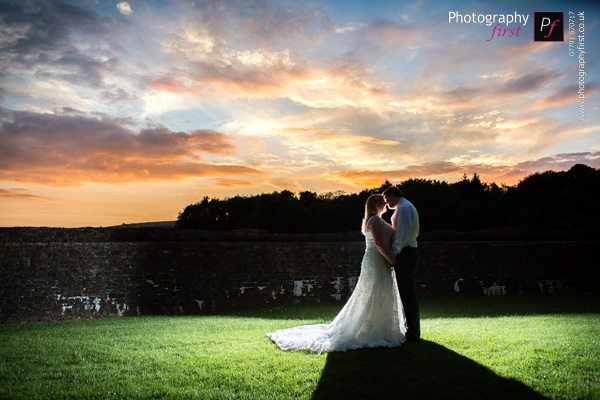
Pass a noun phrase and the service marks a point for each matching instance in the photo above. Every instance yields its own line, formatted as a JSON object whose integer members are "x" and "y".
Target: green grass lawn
{"x": 478, "y": 348}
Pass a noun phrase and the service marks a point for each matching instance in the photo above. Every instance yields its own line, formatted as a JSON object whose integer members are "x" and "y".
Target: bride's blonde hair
{"x": 370, "y": 210}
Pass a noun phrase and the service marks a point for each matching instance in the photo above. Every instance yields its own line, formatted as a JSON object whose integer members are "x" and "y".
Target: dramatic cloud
{"x": 43, "y": 37}
{"x": 66, "y": 149}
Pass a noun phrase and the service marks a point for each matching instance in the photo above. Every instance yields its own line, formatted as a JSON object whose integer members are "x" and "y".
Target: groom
{"x": 405, "y": 222}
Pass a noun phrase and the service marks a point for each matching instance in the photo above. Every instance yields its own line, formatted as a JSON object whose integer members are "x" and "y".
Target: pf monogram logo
{"x": 548, "y": 26}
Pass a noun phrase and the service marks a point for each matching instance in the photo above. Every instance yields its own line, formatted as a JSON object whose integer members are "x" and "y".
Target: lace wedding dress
{"x": 372, "y": 317}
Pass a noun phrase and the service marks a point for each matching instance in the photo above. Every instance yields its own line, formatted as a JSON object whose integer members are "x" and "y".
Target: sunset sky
{"x": 119, "y": 112}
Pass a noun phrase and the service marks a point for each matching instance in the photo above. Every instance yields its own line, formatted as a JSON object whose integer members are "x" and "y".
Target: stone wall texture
{"x": 52, "y": 274}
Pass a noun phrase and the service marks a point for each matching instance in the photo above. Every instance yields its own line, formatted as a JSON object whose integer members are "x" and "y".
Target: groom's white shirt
{"x": 405, "y": 221}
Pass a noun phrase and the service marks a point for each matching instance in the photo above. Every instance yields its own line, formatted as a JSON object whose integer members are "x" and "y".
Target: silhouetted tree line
{"x": 542, "y": 201}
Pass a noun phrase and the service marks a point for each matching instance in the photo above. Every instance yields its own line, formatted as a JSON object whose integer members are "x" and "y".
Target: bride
{"x": 373, "y": 315}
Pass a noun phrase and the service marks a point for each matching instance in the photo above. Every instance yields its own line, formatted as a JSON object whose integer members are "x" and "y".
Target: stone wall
{"x": 49, "y": 274}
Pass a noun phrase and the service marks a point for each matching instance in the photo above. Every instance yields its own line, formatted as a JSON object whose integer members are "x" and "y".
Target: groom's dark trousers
{"x": 406, "y": 266}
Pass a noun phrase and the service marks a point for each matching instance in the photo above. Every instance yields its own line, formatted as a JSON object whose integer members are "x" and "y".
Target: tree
{"x": 548, "y": 201}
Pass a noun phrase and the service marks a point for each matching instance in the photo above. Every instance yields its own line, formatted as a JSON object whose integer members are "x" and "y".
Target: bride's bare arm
{"x": 376, "y": 229}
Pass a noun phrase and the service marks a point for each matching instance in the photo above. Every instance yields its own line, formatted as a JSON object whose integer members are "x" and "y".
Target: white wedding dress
{"x": 372, "y": 317}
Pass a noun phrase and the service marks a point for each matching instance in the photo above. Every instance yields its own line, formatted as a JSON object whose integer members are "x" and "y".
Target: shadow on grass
{"x": 423, "y": 370}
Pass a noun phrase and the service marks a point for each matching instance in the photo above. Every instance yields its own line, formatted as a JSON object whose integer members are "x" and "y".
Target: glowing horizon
{"x": 127, "y": 112}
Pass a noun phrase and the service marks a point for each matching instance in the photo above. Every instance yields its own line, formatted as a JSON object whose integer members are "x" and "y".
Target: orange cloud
{"x": 171, "y": 86}
{"x": 256, "y": 82}
{"x": 370, "y": 178}
{"x": 107, "y": 169}
{"x": 69, "y": 150}
{"x": 324, "y": 136}
{"x": 453, "y": 171}
{"x": 20, "y": 194}
{"x": 231, "y": 183}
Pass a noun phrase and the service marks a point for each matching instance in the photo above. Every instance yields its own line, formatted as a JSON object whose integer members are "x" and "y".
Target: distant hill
{"x": 158, "y": 224}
